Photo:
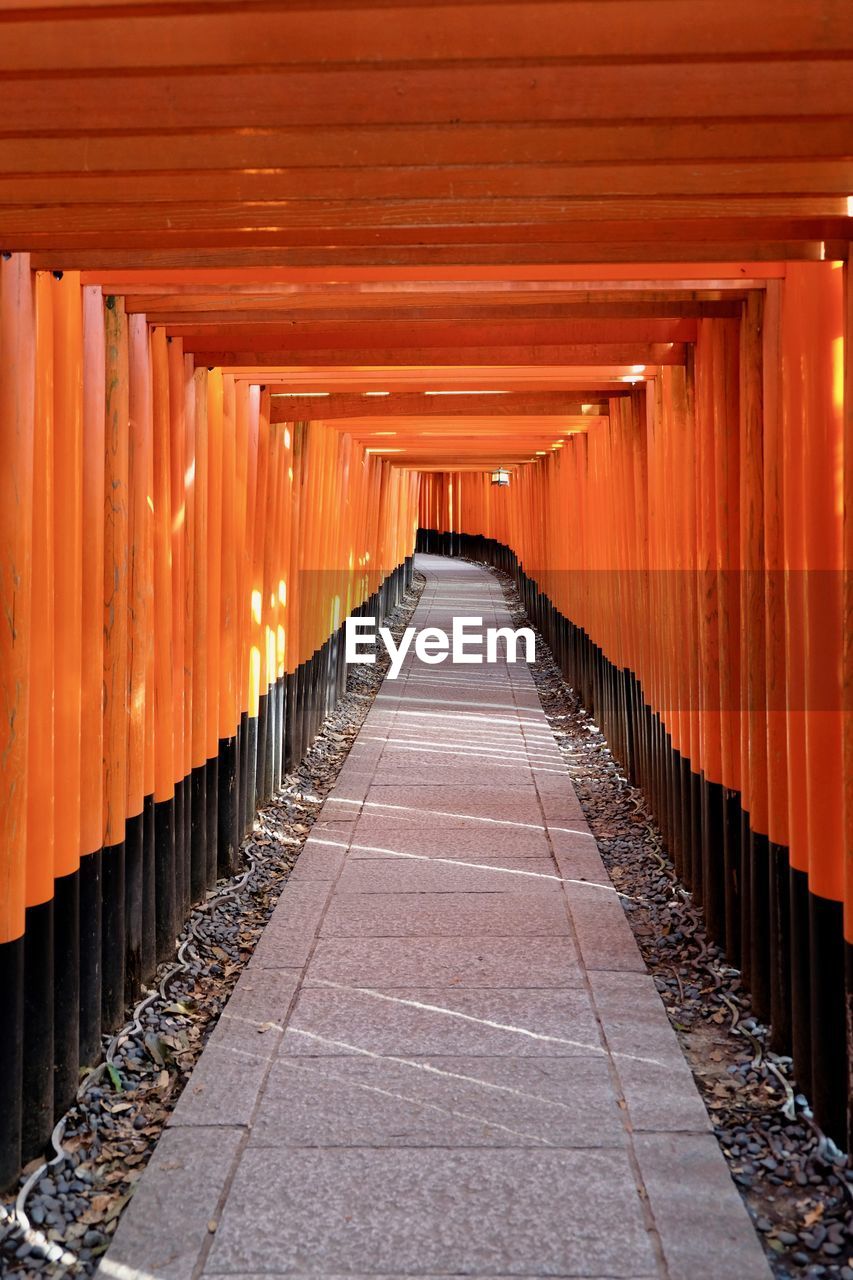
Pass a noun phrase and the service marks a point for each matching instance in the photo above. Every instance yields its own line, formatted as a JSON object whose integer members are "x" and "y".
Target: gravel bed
{"x": 75, "y": 1203}
{"x": 795, "y": 1183}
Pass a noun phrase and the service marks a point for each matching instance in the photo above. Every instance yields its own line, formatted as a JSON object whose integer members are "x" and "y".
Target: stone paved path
{"x": 445, "y": 1057}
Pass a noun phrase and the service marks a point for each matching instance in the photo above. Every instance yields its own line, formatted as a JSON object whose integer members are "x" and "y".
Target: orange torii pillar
{"x": 119, "y": 985}
{"x": 17, "y": 358}
{"x": 38, "y": 1089}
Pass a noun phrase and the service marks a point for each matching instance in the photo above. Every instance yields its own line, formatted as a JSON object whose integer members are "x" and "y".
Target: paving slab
{"x": 404, "y": 833}
{"x": 446, "y": 1057}
{"x": 438, "y": 1102}
{"x": 164, "y": 1231}
{"x": 707, "y": 1236}
{"x": 450, "y": 962}
{"x": 525, "y": 1022}
{"x": 412, "y": 873}
{"x": 512, "y": 914}
{"x": 403, "y": 1212}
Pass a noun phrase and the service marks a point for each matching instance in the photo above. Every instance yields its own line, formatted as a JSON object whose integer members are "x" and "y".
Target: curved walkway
{"x": 445, "y": 1057}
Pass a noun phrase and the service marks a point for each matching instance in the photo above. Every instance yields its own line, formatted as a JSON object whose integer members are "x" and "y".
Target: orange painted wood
{"x": 190, "y": 493}
{"x": 93, "y": 548}
{"x": 244, "y": 395}
{"x": 422, "y": 95}
{"x": 426, "y": 334}
{"x": 262, "y": 528}
{"x": 214, "y": 571}
{"x": 200, "y": 312}
{"x": 774, "y": 552}
{"x": 41, "y": 761}
{"x": 230, "y": 550}
{"x": 754, "y": 578}
{"x": 582, "y": 354}
{"x": 201, "y": 613}
{"x": 399, "y": 404}
{"x": 68, "y": 566}
{"x": 178, "y": 529}
{"x": 140, "y": 780}
{"x": 651, "y": 274}
{"x": 847, "y": 604}
{"x": 161, "y": 501}
{"x": 117, "y": 497}
{"x": 151, "y": 250}
{"x": 559, "y": 198}
{"x": 17, "y": 383}
{"x": 367, "y": 146}
{"x": 819, "y": 293}
{"x": 423, "y": 34}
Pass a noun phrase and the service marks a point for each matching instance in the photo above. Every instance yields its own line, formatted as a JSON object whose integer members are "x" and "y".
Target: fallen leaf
{"x": 153, "y": 1046}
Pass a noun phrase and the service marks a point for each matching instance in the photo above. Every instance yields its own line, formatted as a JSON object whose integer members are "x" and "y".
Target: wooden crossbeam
{"x": 83, "y": 36}
{"x": 286, "y": 408}
{"x": 432, "y": 425}
{"x": 415, "y": 195}
{"x": 623, "y": 354}
{"x": 587, "y": 382}
{"x": 306, "y": 335}
{"x": 157, "y": 255}
{"x": 440, "y": 94}
{"x": 174, "y": 313}
{"x": 547, "y": 142}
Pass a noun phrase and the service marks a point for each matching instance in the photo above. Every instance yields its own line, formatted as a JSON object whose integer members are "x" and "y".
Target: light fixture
{"x": 500, "y": 476}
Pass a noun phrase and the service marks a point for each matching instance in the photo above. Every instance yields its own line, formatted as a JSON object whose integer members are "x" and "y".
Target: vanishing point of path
{"x": 446, "y": 1057}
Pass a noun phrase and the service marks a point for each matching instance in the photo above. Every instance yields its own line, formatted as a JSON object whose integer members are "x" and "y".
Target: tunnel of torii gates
{"x": 278, "y": 290}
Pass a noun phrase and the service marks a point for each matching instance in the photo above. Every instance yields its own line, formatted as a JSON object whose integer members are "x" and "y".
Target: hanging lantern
{"x": 500, "y": 476}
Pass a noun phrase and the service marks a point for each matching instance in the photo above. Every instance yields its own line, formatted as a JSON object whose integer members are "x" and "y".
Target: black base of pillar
{"x": 780, "y": 948}
{"x": 11, "y": 1058}
{"x": 759, "y": 895}
{"x": 829, "y": 1032}
{"x": 198, "y": 833}
{"x": 134, "y": 845}
{"x": 229, "y": 798}
{"x": 66, "y": 989}
{"x": 164, "y": 877}
{"x": 801, "y": 1014}
{"x": 211, "y": 786}
{"x": 90, "y": 959}
{"x": 149, "y": 890}
{"x": 713, "y": 863}
{"x": 113, "y": 935}
{"x": 37, "y": 1096}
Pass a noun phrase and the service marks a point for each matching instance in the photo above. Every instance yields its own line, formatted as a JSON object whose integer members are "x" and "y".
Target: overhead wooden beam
{"x": 404, "y": 196}
{"x": 437, "y": 426}
{"x": 627, "y": 354}
{"x": 193, "y": 313}
{"x": 97, "y": 260}
{"x": 441, "y": 94}
{"x": 306, "y": 335}
{"x": 210, "y": 35}
{"x": 654, "y": 274}
{"x": 547, "y": 142}
{"x": 583, "y": 381}
{"x": 400, "y": 226}
{"x": 396, "y": 405}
